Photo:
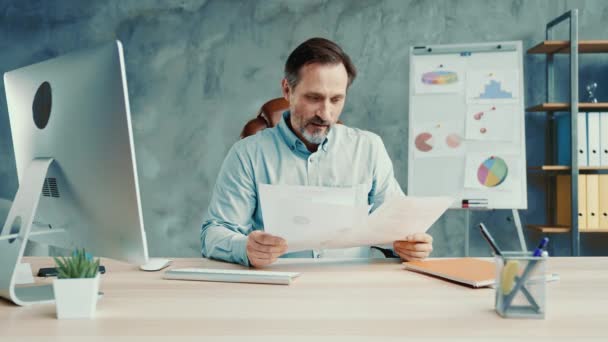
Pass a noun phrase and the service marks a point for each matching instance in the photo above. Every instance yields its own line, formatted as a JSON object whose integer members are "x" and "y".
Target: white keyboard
{"x": 232, "y": 276}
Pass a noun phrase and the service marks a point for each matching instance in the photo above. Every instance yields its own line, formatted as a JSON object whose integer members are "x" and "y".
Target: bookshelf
{"x": 559, "y": 168}
{"x": 565, "y": 107}
{"x": 563, "y": 46}
{"x": 562, "y": 229}
{"x": 573, "y": 47}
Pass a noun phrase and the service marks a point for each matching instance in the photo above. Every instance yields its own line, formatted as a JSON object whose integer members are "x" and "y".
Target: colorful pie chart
{"x": 439, "y": 77}
{"x": 424, "y": 142}
{"x": 492, "y": 172}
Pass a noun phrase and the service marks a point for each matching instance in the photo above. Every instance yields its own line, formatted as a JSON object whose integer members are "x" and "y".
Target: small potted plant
{"x": 77, "y": 285}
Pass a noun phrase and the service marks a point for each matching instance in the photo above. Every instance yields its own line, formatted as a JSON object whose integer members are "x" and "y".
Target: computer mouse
{"x": 155, "y": 264}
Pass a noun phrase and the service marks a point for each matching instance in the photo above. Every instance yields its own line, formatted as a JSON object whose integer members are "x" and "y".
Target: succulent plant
{"x": 79, "y": 265}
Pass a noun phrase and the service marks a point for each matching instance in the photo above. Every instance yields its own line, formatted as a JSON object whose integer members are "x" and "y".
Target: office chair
{"x": 268, "y": 116}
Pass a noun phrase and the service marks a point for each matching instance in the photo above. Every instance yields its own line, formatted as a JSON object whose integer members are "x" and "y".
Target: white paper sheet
{"x": 307, "y": 223}
{"x": 502, "y": 175}
{"x": 492, "y": 122}
{"x": 438, "y": 74}
{"x": 493, "y": 86}
{"x": 439, "y": 139}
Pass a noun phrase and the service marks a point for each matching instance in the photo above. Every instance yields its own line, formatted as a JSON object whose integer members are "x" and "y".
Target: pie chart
{"x": 453, "y": 140}
{"x": 439, "y": 77}
{"x": 424, "y": 142}
{"x": 492, "y": 172}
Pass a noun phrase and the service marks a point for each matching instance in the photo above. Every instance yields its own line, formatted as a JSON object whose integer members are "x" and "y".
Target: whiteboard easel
{"x": 466, "y": 127}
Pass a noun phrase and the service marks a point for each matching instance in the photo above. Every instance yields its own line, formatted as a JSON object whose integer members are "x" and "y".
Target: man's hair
{"x": 317, "y": 50}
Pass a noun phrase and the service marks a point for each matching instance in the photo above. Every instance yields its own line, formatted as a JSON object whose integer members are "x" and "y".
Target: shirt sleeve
{"x": 384, "y": 184}
{"x": 229, "y": 217}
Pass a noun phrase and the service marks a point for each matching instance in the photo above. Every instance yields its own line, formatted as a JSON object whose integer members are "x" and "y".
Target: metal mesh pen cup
{"x": 520, "y": 285}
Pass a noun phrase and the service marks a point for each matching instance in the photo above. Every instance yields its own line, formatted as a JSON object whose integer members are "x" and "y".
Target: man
{"x": 306, "y": 148}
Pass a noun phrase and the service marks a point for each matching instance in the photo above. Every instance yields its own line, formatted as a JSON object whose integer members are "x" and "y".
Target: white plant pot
{"x": 76, "y": 298}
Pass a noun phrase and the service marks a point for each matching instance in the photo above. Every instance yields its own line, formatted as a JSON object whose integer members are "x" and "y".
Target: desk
{"x": 361, "y": 297}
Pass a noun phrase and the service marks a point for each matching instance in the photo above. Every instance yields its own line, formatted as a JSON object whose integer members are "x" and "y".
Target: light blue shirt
{"x": 348, "y": 157}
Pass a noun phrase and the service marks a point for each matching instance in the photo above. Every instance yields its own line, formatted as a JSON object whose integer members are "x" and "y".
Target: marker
{"x": 541, "y": 247}
{"x": 488, "y": 237}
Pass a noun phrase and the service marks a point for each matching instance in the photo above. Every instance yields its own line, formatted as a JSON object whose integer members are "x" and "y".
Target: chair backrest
{"x": 268, "y": 116}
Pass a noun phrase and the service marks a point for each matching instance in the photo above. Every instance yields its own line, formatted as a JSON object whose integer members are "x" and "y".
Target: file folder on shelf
{"x": 582, "y": 201}
{"x": 563, "y": 130}
{"x": 583, "y": 157}
{"x": 603, "y": 201}
{"x": 603, "y": 139}
{"x": 563, "y": 135}
{"x": 563, "y": 205}
{"x": 593, "y": 138}
{"x": 592, "y": 201}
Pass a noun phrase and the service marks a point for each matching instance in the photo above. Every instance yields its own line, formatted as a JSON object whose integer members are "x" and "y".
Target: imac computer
{"x": 73, "y": 144}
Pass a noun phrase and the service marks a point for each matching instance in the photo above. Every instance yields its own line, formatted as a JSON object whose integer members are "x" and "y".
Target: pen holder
{"x": 521, "y": 285}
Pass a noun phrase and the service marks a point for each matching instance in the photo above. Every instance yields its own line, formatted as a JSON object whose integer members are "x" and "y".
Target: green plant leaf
{"x": 78, "y": 265}
{"x": 92, "y": 272}
{"x": 96, "y": 267}
{"x": 87, "y": 271}
{"x": 72, "y": 269}
{"x": 60, "y": 265}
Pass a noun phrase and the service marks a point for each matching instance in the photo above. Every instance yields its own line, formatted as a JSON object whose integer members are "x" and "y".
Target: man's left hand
{"x": 414, "y": 247}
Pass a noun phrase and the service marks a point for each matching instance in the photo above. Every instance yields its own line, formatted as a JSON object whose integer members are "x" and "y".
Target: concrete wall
{"x": 198, "y": 70}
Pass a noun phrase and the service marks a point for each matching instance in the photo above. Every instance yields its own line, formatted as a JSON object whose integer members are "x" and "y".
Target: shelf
{"x": 549, "y": 229}
{"x": 563, "y": 46}
{"x": 565, "y": 168}
{"x": 562, "y": 229}
{"x": 565, "y": 107}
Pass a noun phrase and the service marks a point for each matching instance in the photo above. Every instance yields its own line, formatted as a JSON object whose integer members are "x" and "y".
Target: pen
{"x": 541, "y": 246}
{"x": 488, "y": 237}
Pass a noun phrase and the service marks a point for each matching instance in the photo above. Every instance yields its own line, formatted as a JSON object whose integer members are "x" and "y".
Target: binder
{"x": 603, "y": 201}
{"x": 583, "y": 159}
{"x": 603, "y": 139}
{"x": 593, "y": 138}
{"x": 592, "y": 202}
{"x": 563, "y": 132}
{"x": 582, "y": 202}
{"x": 563, "y": 205}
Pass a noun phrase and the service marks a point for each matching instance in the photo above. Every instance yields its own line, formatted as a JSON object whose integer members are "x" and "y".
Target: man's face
{"x": 317, "y": 100}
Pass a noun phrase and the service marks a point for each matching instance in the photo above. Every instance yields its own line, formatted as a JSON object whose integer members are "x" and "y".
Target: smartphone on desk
{"x": 52, "y": 271}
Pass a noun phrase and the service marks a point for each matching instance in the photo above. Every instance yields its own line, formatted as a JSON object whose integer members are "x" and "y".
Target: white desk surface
{"x": 360, "y": 298}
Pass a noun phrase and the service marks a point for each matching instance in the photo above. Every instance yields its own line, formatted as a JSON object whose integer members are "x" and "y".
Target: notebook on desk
{"x": 231, "y": 276}
{"x": 468, "y": 271}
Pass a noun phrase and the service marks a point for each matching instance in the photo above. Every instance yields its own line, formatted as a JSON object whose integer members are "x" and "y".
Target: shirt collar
{"x": 292, "y": 140}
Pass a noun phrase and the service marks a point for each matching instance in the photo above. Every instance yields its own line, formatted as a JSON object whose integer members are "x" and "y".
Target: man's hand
{"x": 264, "y": 249}
{"x": 414, "y": 247}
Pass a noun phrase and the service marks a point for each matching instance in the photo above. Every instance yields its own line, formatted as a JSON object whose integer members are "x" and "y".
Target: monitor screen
{"x": 75, "y": 110}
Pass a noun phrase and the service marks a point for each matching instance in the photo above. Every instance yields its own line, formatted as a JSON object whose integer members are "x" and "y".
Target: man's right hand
{"x": 264, "y": 249}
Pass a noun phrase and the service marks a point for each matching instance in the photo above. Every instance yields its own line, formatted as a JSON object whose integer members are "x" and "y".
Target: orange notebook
{"x": 468, "y": 271}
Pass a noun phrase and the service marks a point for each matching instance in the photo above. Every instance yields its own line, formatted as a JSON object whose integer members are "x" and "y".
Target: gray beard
{"x": 316, "y": 139}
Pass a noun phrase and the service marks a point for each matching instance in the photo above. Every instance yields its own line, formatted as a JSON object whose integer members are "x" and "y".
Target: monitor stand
{"x": 16, "y": 232}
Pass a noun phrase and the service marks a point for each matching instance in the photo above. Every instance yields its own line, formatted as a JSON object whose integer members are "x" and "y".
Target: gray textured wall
{"x": 198, "y": 70}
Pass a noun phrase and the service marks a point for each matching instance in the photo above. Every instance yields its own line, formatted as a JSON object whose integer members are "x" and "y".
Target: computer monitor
{"x": 73, "y": 143}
